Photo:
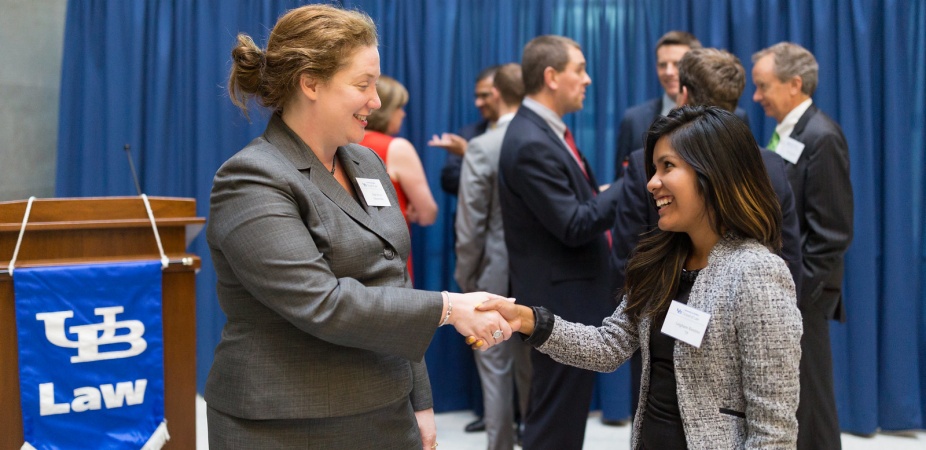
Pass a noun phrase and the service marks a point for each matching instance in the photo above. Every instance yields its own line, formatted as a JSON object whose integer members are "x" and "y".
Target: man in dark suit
{"x": 817, "y": 158}
{"x": 486, "y": 100}
{"x": 707, "y": 77}
{"x": 669, "y": 51}
{"x": 556, "y": 231}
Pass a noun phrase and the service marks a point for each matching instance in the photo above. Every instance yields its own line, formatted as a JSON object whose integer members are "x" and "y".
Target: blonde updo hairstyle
{"x": 393, "y": 96}
{"x": 315, "y": 40}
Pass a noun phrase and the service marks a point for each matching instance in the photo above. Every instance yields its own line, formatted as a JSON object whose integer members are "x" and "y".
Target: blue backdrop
{"x": 151, "y": 74}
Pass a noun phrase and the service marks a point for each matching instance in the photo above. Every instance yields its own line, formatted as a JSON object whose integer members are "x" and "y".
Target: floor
{"x": 597, "y": 436}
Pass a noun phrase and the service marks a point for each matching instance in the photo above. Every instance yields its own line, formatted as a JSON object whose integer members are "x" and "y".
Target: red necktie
{"x": 571, "y": 142}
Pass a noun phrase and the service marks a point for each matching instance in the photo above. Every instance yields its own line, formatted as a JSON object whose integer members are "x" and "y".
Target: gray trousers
{"x": 501, "y": 369}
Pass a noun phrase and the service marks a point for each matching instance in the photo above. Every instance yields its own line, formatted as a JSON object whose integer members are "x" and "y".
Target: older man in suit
{"x": 556, "y": 231}
{"x": 482, "y": 261}
{"x": 817, "y": 158}
{"x": 670, "y": 48}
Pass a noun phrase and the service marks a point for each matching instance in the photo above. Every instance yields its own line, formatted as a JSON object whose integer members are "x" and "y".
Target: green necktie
{"x": 773, "y": 142}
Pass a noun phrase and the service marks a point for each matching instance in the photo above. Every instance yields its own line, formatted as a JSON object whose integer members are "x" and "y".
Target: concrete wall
{"x": 31, "y": 44}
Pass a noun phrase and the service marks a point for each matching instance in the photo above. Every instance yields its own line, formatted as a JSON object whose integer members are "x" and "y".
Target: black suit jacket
{"x": 636, "y": 121}
{"x": 555, "y": 223}
{"x": 823, "y": 194}
{"x": 450, "y": 173}
{"x": 637, "y": 213}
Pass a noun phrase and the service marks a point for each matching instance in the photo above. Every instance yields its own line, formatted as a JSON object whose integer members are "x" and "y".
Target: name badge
{"x": 686, "y": 323}
{"x": 373, "y": 192}
{"x": 790, "y": 149}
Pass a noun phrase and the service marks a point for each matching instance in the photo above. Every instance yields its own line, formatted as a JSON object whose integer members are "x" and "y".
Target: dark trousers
{"x": 818, "y": 425}
{"x": 560, "y": 397}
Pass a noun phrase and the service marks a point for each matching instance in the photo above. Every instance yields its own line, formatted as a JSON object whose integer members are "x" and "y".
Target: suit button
{"x": 388, "y": 253}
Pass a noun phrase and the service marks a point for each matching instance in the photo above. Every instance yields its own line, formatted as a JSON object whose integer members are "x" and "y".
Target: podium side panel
{"x": 11, "y": 421}
{"x": 179, "y": 315}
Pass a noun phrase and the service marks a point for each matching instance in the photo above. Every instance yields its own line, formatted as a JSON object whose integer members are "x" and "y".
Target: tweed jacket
{"x": 322, "y": 320}
{"x": 740, "y": 388}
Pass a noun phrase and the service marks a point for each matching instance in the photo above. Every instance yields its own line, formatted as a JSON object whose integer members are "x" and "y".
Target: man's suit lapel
{"x": 542, "y": 124}
{"x": 801, "y": 124}
{"x": 655, "y": 106}
{"x": 299, "y": 154}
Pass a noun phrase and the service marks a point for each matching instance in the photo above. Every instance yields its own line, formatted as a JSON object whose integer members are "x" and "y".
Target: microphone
{"x": 128, "y": 154}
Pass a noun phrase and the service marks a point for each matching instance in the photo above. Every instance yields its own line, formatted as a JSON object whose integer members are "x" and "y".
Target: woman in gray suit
{"x": 325, "y": 339}
{"x": 708, "y": 301}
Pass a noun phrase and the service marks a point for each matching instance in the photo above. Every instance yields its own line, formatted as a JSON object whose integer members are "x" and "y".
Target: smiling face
{"x": 667, "y": 58}
{"x": 777, "y": 97}
{"x": 571, "y": 83}
{"x": 486, "y": 99}
{"x": 675, "y": 191}
{"x": 347, "y": 99}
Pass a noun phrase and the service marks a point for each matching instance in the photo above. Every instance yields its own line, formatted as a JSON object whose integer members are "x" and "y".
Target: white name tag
{"x": 373, "y": 192}
{"x": 686, "y": 323}
{"x": 790, "y": 149}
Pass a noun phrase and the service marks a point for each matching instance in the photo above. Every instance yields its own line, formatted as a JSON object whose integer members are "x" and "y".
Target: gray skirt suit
{"x": 325, "y": 339}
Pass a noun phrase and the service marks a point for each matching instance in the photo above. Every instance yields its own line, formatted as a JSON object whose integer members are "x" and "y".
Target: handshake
{"x": 486, "y": 319}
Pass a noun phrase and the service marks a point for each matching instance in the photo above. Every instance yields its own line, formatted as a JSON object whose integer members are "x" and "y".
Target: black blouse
{"x": 662, "y": 422}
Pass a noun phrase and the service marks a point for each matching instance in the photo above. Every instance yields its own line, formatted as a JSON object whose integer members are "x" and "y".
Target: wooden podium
{"x": 100, "y": 230}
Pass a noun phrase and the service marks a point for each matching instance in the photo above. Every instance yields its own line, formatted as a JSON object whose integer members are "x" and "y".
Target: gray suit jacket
{"x": 482, "y": 258}
{"x": 321, "y": 318}
{"x": 740, "y": 388}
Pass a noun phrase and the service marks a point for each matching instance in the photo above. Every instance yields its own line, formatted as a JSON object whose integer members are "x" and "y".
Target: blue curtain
{"x": 151, "y": 74}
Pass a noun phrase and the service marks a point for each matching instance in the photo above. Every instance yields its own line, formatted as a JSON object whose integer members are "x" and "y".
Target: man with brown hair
{"x": 670, "y": 48}
{"x": 556, "y": 231}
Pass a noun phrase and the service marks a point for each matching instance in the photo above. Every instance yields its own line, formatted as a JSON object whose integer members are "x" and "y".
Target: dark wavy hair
{"x": 737, "y": 192}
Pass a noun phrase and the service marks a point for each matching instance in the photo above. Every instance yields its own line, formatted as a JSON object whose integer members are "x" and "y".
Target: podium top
{"x": 63, "y": 230}
{"x": 95, "y": 209}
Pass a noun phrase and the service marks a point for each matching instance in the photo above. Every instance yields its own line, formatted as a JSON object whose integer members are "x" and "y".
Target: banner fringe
{"x": 159, "y": 438}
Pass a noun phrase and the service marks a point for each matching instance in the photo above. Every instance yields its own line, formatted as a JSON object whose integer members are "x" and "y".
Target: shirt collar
{"x": 551, "y": 118}
{"x": 786, "y": 126}
{"x": 667, "y": 104}
{"x": 503, "y": 119}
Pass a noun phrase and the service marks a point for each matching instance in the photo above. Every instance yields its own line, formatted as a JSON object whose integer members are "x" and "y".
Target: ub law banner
{"x": 91, "y": 359}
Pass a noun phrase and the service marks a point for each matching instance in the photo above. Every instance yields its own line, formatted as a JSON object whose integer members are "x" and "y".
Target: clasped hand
{"x": 497, "y": 316}
{"x": 482, "y": 328}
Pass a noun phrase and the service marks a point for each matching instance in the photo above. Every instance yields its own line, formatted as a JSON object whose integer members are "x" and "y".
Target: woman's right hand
{"x": 480, "y": 325}
{"x": 519, "y": 317}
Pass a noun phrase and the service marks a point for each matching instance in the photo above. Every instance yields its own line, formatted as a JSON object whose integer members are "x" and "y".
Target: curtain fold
{"x": 151, "y": 74}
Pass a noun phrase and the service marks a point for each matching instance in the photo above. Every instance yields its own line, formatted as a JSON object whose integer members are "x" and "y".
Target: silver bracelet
{"x": 446, "y": 295}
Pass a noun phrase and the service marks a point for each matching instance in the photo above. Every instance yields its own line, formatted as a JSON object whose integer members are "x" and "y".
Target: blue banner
{"x": 91, "y": 355}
